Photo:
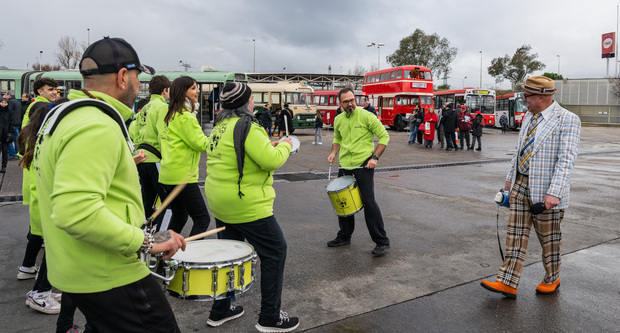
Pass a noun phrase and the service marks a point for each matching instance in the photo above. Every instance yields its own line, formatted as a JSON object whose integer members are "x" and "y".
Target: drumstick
{"x": 286, "y": 124}
{"x": 168, "y": 200}
{"x": 204, "y": 234}
{"x": 329, "y": 174}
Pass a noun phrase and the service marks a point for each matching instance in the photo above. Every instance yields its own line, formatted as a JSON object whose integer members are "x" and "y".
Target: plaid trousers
{"x": 547, "y": 226}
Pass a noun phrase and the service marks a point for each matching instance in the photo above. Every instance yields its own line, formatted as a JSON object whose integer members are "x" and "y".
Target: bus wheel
{"x": 399, "y": 123}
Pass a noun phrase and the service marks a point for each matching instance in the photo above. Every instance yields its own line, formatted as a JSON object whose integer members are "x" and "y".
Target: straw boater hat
{"x": 540, "y": 85}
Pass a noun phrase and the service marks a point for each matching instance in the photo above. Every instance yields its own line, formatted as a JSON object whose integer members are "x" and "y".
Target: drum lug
{"x": 241, "y": 275}
{"x": 231, "y": 278}
{"x": 185, "y": 286}
{"x": 214, "y": 281}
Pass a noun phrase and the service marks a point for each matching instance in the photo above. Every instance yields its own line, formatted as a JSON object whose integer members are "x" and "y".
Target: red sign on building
{"x": 609, "y": 45}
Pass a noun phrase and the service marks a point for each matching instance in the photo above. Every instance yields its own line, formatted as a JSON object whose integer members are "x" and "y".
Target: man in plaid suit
{"x": 539, "y": 173}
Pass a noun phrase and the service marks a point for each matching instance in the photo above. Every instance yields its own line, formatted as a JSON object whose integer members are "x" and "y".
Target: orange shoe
{"x": 498, "y": 287}
{"x": 548, "y": 289}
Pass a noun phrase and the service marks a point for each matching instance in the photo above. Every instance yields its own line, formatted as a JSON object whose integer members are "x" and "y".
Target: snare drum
{"x": 208, "y": 269}
{"x": 345, "y": 196}
{"x": 295, "y": 141}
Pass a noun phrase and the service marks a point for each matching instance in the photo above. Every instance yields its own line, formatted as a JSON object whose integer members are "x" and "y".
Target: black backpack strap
{"x": 53, "y": 118}
{"x": 150, "y": 149}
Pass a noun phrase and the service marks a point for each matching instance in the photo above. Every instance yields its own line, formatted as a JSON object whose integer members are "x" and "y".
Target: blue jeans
{"x": 412, "y": 134}
{"x": 268, "y": 240}
{"x": 13, "y": 147}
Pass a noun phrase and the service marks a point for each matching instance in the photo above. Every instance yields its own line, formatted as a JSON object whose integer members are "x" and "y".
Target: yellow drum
{"x": 345, "y": 196}
{"x": 208, "y": 269}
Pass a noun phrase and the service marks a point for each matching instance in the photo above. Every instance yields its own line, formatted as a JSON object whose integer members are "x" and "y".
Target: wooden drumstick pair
{"x": 165, "y": 204}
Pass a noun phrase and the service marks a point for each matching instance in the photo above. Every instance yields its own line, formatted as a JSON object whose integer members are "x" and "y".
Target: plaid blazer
{"x": 553, "y": 156}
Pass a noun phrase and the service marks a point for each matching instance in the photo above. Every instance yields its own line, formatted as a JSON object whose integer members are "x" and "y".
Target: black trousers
{"x": 32, "y": 249}
{"x": 137, "y": 307}
{"x": 150, "y": 186}
{"x": 42, "y": 284}
{"x": 5, "y": 153}
{"x": 464, "y": 136}
{"x": 372, "y": 213}
{"x": 188, "y": 203}
{"x": 266, "y": 236}
{"x": 450, "y": 139}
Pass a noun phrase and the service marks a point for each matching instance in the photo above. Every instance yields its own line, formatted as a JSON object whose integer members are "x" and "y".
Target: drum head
{"x": 340, "y": 183}
{"x": 295, "y": 141}
{"x": 213, "y": 251}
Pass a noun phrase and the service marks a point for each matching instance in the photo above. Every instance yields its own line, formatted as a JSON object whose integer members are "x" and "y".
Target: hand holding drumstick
{"x": 167, "y": 242}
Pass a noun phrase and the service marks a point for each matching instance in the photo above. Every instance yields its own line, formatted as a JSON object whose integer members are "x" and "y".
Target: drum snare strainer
{"x": 208, "y": 269}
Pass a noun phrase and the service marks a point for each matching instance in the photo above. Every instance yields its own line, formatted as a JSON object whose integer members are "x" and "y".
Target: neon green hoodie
{"x": 355, "y": 134}
{"x": 261, "y": 159}
{"x": 92, "y": 211}
{"x": 26, "y": 173}
{"x": 144, "y": 127}
{"x": 182, "y": 140}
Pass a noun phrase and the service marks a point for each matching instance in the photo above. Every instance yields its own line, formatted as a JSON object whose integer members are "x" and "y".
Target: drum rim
{"x": 339, "y": 179}
{"x": 244, "y": 258}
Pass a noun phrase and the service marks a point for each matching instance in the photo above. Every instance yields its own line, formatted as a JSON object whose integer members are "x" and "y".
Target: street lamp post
{"x": 558, "y": 64}
{"x": 40, "y": 59}
{"x": 372, "y": 44}
{"x": 480, "y": 69}
{"x": 379, "y": 55}
{"x": 254, "y": 41}
{"x": 464, "y": 82}
{"x": 88, "y": 32}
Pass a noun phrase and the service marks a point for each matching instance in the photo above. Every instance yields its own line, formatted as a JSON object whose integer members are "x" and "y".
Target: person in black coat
{"x": 6, "y": 133}
{"x": 450, "y": 122}
{"x": 476, "y": 130}
{"x": 15, "y": 107}
{"x": 265, "y": 118}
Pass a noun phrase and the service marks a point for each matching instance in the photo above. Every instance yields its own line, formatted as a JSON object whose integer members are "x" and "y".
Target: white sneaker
{"x": 57, "y": 296}
{"x": 320, "y": 143}
{"x": 43, "y": 302}
{"x": 25, "y": 273}
{"x": 314, "y": 143}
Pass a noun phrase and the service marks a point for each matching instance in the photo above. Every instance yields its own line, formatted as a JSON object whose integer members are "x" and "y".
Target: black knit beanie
{"x": 235, "y": 95}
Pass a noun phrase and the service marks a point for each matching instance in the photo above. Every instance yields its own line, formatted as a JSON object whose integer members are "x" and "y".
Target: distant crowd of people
{"x": 448, "y": 123}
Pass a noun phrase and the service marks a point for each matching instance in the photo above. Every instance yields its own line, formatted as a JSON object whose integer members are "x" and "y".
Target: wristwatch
{"x": 374, "y": 157}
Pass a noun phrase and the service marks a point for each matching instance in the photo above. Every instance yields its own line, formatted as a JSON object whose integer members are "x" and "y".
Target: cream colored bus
{"x": 299, "y": 96}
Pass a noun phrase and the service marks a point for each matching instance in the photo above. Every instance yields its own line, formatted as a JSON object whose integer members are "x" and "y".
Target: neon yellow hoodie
{"x": 182, "y": 140}
{"x": 144, "y": 127}
{"x": 355, "y": 134}
{"x": 261, "y": 159}
{"x": 26, "y": 173}
{"x": 90, "y": 201}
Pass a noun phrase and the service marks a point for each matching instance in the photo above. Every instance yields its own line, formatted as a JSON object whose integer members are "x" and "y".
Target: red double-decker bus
{"x": 394, "y": 92}
{"x": 327, "y": 102}
{"x": 482, "y": 100}
{"x": 513, "y": 106}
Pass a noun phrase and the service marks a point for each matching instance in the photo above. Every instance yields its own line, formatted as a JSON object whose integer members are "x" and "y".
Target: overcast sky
{"x": 308, "y": 36}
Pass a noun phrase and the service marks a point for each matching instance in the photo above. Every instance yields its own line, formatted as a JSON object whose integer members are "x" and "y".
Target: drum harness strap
{"x": 240, "y": 133}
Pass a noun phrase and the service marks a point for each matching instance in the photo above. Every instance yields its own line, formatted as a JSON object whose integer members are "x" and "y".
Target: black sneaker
{"x": 380, "y": 250}
{"x": 284, "y": 324}
{"x": 232, "y": 313}
{"x": 338, "y": 242}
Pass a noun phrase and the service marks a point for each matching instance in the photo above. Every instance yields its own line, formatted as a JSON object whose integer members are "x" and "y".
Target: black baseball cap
{"x": 109, "y": 55}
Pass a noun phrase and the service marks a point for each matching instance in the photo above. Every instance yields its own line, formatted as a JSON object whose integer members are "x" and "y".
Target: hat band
{"x": 541, "y": 90}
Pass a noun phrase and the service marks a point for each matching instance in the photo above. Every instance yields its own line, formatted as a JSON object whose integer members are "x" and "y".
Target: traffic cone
{"x": 456, "y": 136}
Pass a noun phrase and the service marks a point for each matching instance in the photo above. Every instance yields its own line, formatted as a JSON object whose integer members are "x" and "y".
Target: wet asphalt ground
{"x": 441, "y": 219}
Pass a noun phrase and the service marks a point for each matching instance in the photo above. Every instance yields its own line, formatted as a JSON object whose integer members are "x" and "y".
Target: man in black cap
{"x": 90, "y": 201}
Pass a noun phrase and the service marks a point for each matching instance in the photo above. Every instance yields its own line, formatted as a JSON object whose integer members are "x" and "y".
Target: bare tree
{"x": 70, "y": 52}
{"x": 45, "y": 67}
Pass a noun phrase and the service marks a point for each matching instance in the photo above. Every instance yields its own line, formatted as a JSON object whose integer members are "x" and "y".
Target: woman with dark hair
{"x": 241, "y": 160}
{"x": 182, "y": 140}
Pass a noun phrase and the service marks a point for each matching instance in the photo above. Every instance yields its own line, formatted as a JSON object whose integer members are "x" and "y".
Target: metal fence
{"x": 591, "y": 99}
